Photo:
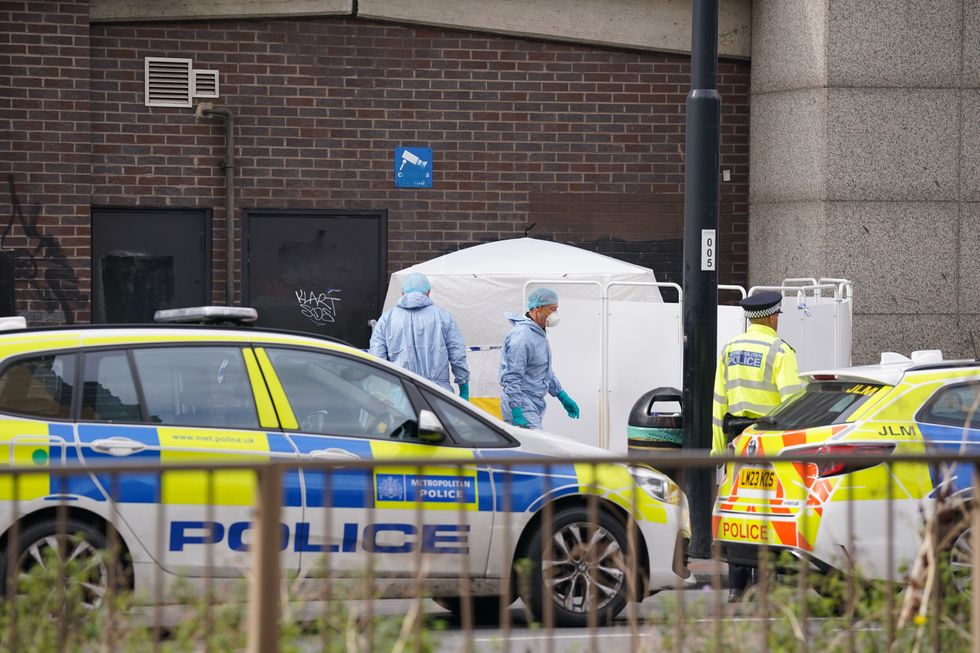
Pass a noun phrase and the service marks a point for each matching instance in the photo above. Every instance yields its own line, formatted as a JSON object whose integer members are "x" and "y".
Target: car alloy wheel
{"x": 961, "y": 561}
{"x": 578, "y": 568}
{"x": 83, "y": 568}
{"x": 84, "y": 563}
{"x": 587, "y": 570}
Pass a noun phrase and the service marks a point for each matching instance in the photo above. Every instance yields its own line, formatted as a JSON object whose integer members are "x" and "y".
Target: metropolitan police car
{"x": 76, "y": 396}
{"x": 901, "y": 406}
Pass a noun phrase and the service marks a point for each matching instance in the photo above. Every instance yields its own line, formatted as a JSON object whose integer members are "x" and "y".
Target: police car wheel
{"x": 961, "y": 558}
{"x": 586, "y": 571}
{"x": 486, "y": 609}
{"x": 86, "y": 567}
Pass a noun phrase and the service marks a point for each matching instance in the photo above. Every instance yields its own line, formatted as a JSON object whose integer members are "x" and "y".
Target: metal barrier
{"x": 356, "y": 555}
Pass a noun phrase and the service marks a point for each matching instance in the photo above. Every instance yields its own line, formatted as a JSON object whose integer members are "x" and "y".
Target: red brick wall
{"x": 522, "y": 132}
{"x": 585, "y": 142}
{"x": 45, "y": 155}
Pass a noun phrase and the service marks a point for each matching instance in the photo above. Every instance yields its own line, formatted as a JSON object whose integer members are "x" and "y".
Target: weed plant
{"x": 49, "y": 614}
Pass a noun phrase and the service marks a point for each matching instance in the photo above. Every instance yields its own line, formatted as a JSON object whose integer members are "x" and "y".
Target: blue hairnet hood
{"x": 416, "y": 282}
{"x": 541, "y": 297}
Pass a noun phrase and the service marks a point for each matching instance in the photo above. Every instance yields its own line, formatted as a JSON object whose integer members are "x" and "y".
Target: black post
{"x": 701, "y": 199}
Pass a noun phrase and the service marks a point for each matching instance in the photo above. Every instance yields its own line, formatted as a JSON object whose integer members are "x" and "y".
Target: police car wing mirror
{"x": 431, "y": 429}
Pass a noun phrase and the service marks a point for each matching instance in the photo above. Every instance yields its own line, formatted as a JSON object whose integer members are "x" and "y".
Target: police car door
{"x": 179, "y": 404}
{"x": 346, "y": 409}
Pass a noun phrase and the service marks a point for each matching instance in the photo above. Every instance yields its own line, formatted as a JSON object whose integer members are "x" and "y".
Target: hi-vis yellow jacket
{"x": 756, "y": 371}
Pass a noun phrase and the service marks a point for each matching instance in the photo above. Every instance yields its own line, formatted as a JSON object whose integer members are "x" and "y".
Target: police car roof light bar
{"x": 12, "y": 323}
{"x": 207, "y": 315}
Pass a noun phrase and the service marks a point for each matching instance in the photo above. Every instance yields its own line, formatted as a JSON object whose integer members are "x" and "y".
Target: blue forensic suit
{"x": 422, "y": 338}
{"x": 525, "y": 371}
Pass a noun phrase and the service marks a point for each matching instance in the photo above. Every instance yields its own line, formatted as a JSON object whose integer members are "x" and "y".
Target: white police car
{"x": 76, "y": 396}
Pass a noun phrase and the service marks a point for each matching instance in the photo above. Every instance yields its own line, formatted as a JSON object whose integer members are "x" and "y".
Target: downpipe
{"x": 206, "y": 110}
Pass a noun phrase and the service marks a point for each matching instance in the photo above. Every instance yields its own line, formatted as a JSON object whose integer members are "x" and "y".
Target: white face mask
{"x": 552, "y": 320}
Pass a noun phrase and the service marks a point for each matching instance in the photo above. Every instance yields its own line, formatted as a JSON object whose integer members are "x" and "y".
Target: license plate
{"x": 756, "y": 478}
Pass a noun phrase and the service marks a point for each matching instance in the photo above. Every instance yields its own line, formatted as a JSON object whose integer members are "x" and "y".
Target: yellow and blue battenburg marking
{"x": 29, "y": 443}
{"x": 340, "y": 487}
{"x": 524, "y": 487}
{"x": 176, "y": 445}
{"x": 446, "y": 486}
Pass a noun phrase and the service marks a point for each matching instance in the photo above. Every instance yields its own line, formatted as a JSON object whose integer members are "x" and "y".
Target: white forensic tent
{"x": 478, "y": 285}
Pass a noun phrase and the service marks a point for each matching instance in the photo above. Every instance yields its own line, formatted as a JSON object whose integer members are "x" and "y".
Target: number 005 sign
{"x": 709, "y": 247}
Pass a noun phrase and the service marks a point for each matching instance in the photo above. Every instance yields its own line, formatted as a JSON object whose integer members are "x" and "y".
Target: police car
{"x": 835, "y": 514}
{"x": 174, "y": 393}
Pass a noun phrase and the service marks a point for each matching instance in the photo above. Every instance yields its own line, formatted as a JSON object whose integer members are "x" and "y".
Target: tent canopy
{"x": 528, "y": 257}
{"x": 481, "y": 283}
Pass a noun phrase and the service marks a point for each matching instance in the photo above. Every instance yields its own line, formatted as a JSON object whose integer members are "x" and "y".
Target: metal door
{"x": 144, "y": 260}
{"x": 317, "y": 271}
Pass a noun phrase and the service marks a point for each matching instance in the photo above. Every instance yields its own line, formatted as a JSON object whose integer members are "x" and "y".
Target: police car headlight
{"x": 656, "y": 485}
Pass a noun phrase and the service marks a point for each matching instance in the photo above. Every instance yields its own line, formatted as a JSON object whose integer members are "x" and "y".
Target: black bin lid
{"x": 643, "y": 414}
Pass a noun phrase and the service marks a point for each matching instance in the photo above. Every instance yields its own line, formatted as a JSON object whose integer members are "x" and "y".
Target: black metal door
{"x": 144, "y": 260}
{"x": 317, "y": 271}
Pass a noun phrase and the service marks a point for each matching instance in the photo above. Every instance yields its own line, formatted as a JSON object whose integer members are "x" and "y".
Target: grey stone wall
{"x": 865, "y": 162}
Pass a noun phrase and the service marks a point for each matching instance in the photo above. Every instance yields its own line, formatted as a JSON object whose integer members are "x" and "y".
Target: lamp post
{"x": 701, "y": 200}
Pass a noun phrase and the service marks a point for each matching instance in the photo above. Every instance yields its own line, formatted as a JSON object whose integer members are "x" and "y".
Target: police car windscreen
{"x": 821, "y": 404}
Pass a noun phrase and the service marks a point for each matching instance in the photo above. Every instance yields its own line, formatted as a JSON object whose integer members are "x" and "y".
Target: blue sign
{"x": 747, "y": 358}
{"x": 413, "y": 167}
{"x": 437, "y": 489}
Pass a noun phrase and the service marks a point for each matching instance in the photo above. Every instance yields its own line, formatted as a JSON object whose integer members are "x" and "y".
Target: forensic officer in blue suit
{"x": 525, "y": 364}
{"x": 422, "y": 338}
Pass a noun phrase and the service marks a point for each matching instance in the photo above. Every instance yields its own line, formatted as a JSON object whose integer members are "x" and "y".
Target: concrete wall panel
{"x": 887, "y": 43}
{"x": 969, "y": 326}
{"x": 899, "y": 155}
{"x": 892, "y": 144}
{"x": 874, "y": 334}
{"x": 970, "y": 154}
{"x": 786, "y": 151}
{"x": 773, "y": 256}
{"x": 969, "y": 246}
{"x": 114, "y": 11}
{"x": 971, "y": 37}
{"x": 788, "y": 44}
{"x": 661, "y": 25}
{"x": 901, "y": 256}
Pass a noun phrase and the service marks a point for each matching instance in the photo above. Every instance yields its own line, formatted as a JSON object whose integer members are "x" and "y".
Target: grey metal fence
{"x": 849, "y": 552}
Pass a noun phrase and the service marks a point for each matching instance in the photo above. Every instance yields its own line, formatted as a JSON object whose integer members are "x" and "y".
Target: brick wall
{"x": 45, "y": 156}
{"x": 586, "y": 142}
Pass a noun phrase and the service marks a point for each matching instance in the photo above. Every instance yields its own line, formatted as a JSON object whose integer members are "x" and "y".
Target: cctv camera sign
{"x": 413, "y": 167}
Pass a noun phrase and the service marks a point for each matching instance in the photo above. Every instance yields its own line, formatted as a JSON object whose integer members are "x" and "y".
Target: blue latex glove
{"x": 517, "y": 418}
{"x": 464, "y": 391}
{"x": 568, "y": 404}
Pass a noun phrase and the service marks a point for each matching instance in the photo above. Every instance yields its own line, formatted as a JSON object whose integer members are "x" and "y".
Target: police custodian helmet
{"x": 762, "y": 304}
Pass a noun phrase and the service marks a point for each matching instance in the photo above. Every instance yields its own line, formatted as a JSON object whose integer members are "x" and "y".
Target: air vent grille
{"x": 168, "y": 82}
{"x": 175, "y": 83}
{"x": 205, "y": 83}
